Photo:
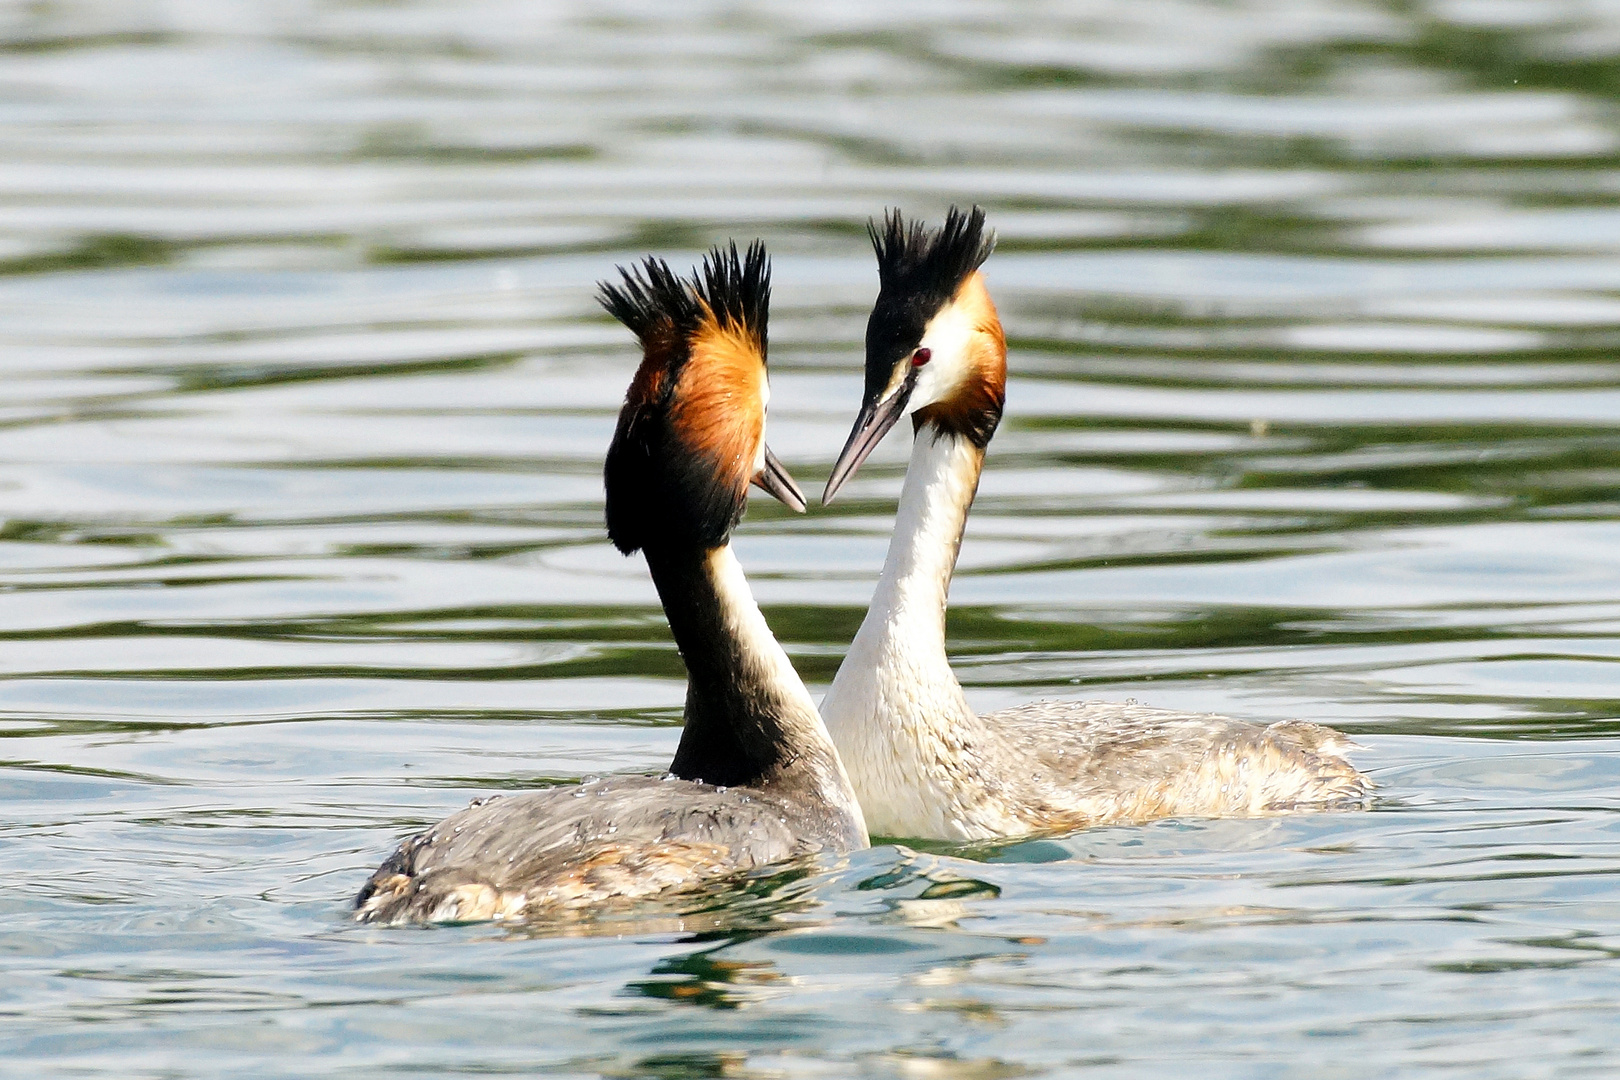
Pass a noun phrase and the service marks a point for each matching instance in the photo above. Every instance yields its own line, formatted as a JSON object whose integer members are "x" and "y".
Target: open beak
{"x": 874, "y": 422}
{"x": 774, "y": 479}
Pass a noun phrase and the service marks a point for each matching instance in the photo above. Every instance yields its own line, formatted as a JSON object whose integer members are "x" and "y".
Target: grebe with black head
{"x": 755, "y": 779}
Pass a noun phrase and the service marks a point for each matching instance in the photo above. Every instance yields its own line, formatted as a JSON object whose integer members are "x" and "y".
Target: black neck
{"x": 749, "y": 720}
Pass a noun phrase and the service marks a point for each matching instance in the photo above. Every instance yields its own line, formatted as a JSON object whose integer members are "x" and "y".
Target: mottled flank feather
{"x": 1057, "y": 766}
{"x": 1101, "y": 762}
{"x": 563, "y": 849}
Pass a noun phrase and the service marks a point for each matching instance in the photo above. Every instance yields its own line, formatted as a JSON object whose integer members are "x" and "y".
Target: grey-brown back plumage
{"x": 571, "y": 847}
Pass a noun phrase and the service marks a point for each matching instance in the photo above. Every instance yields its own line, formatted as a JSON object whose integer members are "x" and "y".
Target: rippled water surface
{"x": 1314, "y": 412}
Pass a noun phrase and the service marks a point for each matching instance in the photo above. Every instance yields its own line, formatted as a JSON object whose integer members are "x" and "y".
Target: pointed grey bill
{"x": 874, "y": 422}
{"x": 774, "y": 480}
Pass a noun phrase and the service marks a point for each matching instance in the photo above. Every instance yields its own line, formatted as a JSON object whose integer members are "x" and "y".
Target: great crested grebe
{"x": 923, "y": 764}
{"x": 755, "y": 778}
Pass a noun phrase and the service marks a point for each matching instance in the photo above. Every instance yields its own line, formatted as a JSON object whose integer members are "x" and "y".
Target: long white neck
{"x": 895, "y": 707}
{"x": 911, "y": 594}
{"x": 749, "y": 719}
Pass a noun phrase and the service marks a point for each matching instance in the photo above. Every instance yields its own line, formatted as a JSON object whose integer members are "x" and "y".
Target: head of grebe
{"x": 689, "y": 441}
{"x": 691, "y": 434}
{"x": 934, "y": 344}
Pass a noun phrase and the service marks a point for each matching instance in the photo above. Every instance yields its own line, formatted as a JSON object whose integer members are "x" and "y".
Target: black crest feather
{"x": 652, "y": 300}
{"x": 738, "y": 290}
{"x": 659, "y": 491}
{"x": 922, "y": 261}
{"x": 919, "y": 270}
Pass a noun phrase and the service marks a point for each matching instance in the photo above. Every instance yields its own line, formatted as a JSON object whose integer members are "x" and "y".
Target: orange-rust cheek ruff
{"x": 973, "y": 409}
{"x": 692, "y": 428}
{"x": 718, "y": 413}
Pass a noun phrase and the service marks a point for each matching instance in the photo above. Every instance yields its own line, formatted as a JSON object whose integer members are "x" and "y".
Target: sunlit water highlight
{"x": 1314, "y": 413}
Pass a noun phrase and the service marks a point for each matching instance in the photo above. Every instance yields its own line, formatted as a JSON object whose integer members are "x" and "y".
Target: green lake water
{"x": 1314, "y": 411}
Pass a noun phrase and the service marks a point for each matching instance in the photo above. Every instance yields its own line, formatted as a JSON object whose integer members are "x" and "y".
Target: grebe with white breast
{"x": 922, "y": 762}
{"x": 755, "y": 779}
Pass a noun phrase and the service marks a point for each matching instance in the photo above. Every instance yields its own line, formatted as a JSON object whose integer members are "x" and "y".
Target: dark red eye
{"x": 921, "y": 357}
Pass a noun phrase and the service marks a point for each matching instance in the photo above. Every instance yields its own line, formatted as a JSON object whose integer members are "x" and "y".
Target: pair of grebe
{"x": 759, "y": 775}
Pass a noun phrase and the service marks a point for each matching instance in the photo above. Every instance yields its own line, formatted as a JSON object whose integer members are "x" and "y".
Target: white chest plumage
{"x": 895, "y": 710}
